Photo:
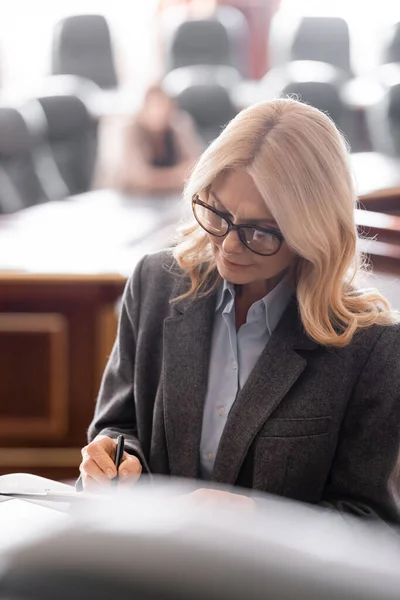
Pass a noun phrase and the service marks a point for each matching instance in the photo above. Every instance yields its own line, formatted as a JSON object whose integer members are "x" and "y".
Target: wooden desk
{"x": 385, "y": 201}
{"x": 63, "y": 267}
{"x": 379, "y": 220}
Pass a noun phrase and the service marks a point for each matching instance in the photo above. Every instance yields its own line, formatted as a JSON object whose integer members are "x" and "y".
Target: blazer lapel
{"x": 187, "y": 341}
{"x": 277, "y": 369}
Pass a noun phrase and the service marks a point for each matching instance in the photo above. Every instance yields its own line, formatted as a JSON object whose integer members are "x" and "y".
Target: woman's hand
{"x": 97, "y": 467}
{"x": 218, "y": 498}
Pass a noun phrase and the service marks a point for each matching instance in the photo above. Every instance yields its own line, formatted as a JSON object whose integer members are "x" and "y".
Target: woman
{"x": 247, "y": 355}
{"x": 158, "y": 146}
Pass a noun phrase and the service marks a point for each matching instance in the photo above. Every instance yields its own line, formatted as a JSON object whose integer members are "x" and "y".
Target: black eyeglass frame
{"x": 239, "y": 228}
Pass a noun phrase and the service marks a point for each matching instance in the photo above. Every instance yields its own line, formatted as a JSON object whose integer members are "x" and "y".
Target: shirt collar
{"x": 275, "y": 302}
{"x": 226, "y": 291}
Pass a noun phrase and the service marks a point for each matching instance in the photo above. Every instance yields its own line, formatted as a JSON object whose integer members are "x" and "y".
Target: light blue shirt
{"x": 232, "y": 358}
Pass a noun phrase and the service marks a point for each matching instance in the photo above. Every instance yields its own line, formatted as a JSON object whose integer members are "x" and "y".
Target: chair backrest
{"x": 200, "y": 42}
{"x": 313, "y": 82}
{"x": 383, "y": 120}
{"x": 394, "y": 116}
{"x": 320, "y": 94}
{"x": 325, "y": 39}
{"x": 223, "y": 38}
{"x": 82, "y": 46}
{"x": 46, "y": 168}
{"x": 392, "y": 45}
{"x": 210, "y": 105}
{"x": 72, "y": 139}
{"x": 20, "y": 186}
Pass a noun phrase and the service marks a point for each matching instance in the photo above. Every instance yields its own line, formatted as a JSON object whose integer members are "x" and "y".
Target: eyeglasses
{"x": 259, "y": 240}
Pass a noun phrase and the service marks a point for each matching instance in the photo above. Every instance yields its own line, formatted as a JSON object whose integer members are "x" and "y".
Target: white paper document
{"x": 22, "y": 522}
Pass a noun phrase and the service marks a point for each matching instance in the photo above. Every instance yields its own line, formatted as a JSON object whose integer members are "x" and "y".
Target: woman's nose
{"x": 231, "y": 243}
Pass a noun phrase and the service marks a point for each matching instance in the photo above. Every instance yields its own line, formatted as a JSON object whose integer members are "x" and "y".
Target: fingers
{"x": 91, "y": 469}
{"x": 130, "y": 468}
{"x": 100, "y": 451}
{"x": 98, "y": 468}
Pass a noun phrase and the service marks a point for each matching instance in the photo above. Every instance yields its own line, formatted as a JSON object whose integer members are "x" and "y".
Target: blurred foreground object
{"x": 158, "y": 543}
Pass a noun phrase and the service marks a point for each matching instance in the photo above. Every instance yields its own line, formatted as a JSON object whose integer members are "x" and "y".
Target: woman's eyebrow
{"x": 214, "y": 195}
{"x": 270, "y": 221}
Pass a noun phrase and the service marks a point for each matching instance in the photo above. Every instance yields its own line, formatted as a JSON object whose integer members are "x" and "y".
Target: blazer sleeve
{"x": 365, "y": 477}
{"x": 115, "y": 408}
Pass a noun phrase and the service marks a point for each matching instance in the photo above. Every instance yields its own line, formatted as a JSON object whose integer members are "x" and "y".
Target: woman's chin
{"x": 235, "y": 277}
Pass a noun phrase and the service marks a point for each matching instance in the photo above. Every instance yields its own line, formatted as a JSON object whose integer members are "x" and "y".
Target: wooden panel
{"x": 40, "y": 457}
{"x": 33, "y": 372}
{"x": 380, "y": 231}
{"x": 48, "y": 388}
{"x": 80, "y": 306}
{"x": 61, "y": 464}
{"x": 382, "y": 226}
{"x": 106, "y": 331}
{"x": 384, "y": 201}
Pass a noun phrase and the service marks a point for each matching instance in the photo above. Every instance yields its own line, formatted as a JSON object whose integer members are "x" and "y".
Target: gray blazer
{"x": 316, "y": 424}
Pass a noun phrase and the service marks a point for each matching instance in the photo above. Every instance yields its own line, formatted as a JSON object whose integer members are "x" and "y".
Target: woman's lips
{"x": 232, "y": 265}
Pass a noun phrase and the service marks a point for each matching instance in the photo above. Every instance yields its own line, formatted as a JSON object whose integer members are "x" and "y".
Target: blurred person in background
{"x": 248, "y": 354}
{"x": 157, "y": 148}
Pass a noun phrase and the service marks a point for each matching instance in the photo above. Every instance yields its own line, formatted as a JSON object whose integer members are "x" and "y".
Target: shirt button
{"x": 221, "y": 411}
{"x": 234, "y": 366}
{"x": 210, "y": 456}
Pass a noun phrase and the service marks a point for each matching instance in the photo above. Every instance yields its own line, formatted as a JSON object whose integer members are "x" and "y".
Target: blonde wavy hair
{"x": 299, "y": 163}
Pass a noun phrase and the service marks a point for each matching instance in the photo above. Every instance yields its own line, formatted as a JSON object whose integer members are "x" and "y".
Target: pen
{"x": 119, "y": 452}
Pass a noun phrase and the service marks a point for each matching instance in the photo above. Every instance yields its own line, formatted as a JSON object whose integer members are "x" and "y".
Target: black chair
{"x": 82, "y": 46}
{"x": 72, "y": 138}
{"x": 326, "y": 39}
{"x": 322, "y": 95}
{"x": 223, "y": 38}
{"x": 391, "y": 50}
{"x": 323, "y": 39}
{"x": 20, "y": 185}
{"x": 393, "y": 116}
{"x": 205, "y": 95}
{"x": 200, "y": 42}
{"x": 46, "y": 168}
{"x": 384, "y": 120}
{"x": 313, "y": 82}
